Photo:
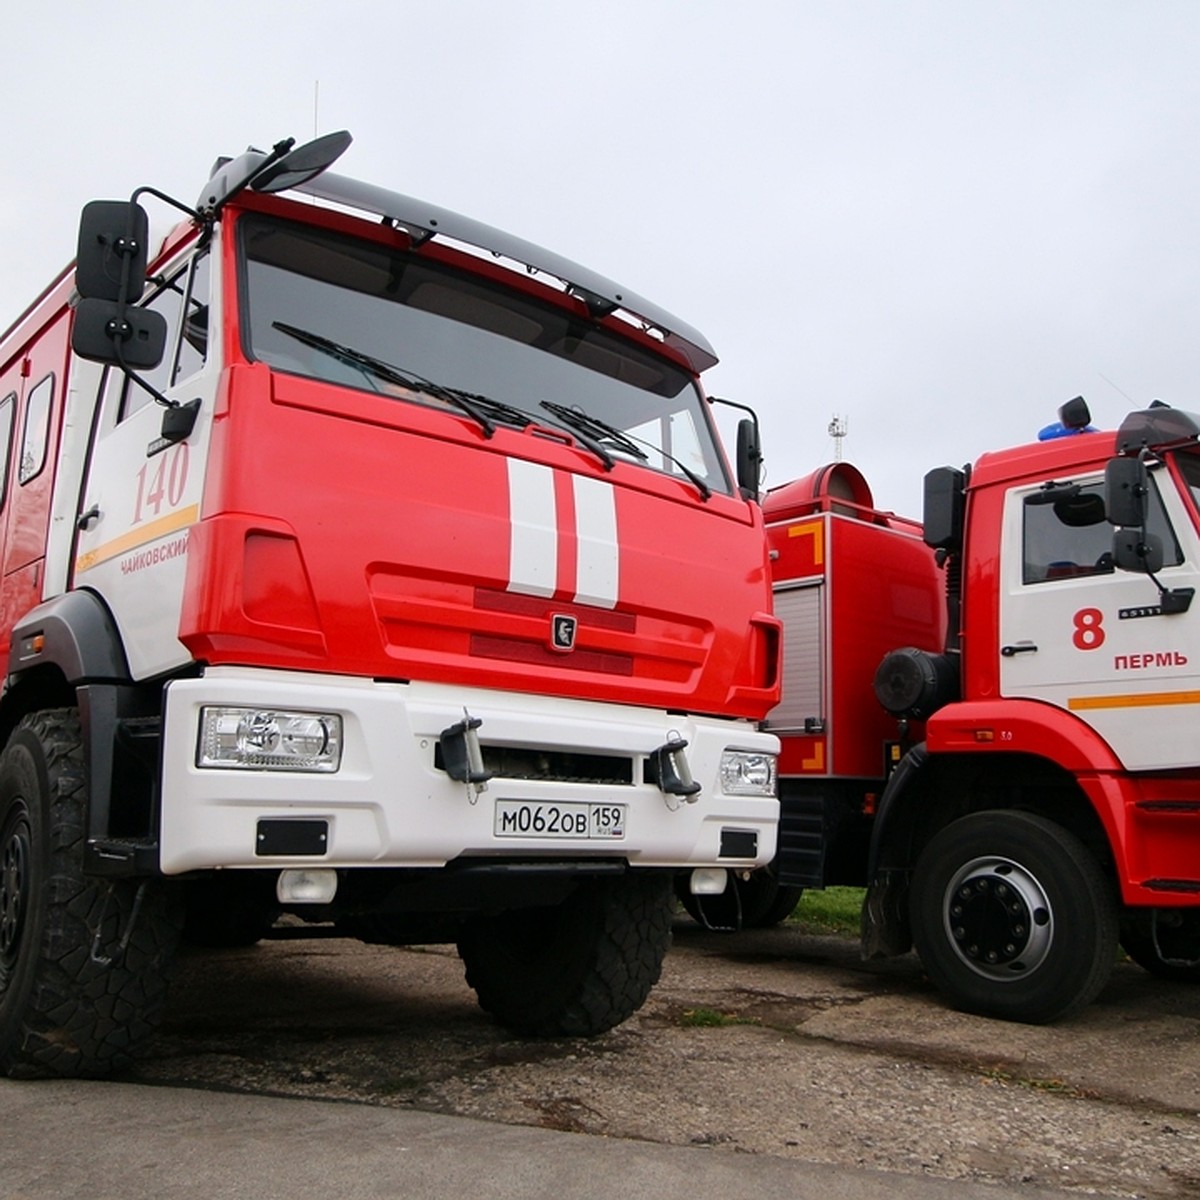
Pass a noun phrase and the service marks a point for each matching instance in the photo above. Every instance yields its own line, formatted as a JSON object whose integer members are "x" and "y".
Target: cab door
{"x": 1085, "y": 637}
{"x": 140, "y": 496}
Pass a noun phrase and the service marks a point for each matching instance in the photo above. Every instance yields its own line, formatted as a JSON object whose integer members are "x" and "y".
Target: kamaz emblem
{"x": 562, "y": 632}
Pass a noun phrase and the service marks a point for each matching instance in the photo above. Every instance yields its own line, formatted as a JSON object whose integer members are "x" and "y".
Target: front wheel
{"x": 573, "y": 969}
{"x": 83, "y": 961}
{"x": 1013, "y": 918}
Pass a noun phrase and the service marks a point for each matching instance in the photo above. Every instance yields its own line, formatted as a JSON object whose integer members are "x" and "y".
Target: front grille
{"x": 485, "y": 645}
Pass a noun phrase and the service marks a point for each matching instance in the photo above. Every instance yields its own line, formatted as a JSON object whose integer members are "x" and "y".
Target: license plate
{"x": 527, "y": 819}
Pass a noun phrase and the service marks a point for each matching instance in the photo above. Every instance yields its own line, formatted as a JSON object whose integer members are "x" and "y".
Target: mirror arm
{"x": 758, "y": 456}
{"x": 123, "y": 301}
{"x": 130, "y": 374}
{"x": 183, "y": 208}
{"x": 1172, "y": 600}
{"x": 209, "y": 213}
{"x": 178, "y": 421}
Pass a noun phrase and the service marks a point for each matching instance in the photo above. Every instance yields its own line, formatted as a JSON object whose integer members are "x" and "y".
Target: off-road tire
{"x": 1013, "y": 917}
{"x": 575, "y": 969}
{"x": 83, "y": 961}
{"x": 1168, "y": 949}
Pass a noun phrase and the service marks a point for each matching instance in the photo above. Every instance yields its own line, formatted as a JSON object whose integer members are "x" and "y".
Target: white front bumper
{"x": 388, "y": 805}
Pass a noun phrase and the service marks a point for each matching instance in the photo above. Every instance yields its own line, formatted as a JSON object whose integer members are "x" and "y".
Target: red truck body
{"x": 990, "y": 721}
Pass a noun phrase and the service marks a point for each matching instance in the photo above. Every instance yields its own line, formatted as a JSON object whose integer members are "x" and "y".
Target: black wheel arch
{"x": 76, "y": 634}
{"x": 68, "y": 651}
{"x": 928, "y": 791}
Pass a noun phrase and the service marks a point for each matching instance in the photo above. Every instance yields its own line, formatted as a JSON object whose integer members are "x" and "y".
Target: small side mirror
{"x": 108, "y": 332}
{"x": 284, "y": 166}
{"x": 1134, "y": 550}
{"x": 303, "y": 163}
{"x": 749, "y": 458}
{"x": 1126, "y": 486}
{"x": 113, "y": 245}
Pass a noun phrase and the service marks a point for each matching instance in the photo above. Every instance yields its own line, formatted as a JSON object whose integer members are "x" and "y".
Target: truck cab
{"x": 369, "y": 564}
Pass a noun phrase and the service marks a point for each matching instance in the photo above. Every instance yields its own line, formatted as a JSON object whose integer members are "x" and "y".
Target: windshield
{"x": 372, "y": 317}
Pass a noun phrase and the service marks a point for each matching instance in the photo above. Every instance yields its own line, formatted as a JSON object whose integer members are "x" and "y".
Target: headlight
{"x": 747, "y": 773}
{"x": 265, "y": 739}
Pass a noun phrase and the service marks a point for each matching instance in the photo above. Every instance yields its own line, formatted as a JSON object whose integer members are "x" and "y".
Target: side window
{"x": 8, "y": 414}
{"x": 185, "y": 292}
{"x": 193, "y": 342}
{"x": 36, "y": 436}
{"x": 1070, "y": 537}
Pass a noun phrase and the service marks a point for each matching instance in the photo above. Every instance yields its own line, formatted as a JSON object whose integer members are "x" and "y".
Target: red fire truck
{"x": 991, "y": 720}
{"x": 364, "y": 563}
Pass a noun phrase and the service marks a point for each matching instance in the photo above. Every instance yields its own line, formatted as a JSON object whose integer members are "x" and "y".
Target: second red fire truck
{"x": 991, "y": 718}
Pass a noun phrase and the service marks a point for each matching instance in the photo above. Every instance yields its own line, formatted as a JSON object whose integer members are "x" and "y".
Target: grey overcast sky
{"x": 939, "y": 219}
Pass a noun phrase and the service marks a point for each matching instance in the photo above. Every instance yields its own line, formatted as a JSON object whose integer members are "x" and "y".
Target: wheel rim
{"x": 15, "y": 843}
{"x": 998, "y": 918}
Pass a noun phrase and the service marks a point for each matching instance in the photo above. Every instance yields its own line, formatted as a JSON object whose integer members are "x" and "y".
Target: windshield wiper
{"x": 625, "y": 443}
{"x": 600, "y": 430}
{"x": 480, "y": 408}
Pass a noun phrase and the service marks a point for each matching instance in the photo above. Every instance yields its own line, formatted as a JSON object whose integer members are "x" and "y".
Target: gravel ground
{"x": 773, "y": 1042}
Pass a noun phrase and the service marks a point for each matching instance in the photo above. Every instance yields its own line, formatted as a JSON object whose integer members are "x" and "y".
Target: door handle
{"x": 85, "y": 520}
{"x": 1019, "y": 648}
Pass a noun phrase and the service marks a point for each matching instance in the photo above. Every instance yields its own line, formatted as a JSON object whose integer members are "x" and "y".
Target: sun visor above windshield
{"x": 1157, "y": 428}
{"x": 424, "y": 221}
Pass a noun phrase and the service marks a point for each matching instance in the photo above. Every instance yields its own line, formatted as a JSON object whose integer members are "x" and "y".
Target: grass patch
{"x": 835, "y": 910}
{"x": 710, "y": 1018}
{"x": 1057, "y": 1087}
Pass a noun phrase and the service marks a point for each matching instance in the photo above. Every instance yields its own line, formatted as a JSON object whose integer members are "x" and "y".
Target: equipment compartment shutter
{"x": 803, "y": 660}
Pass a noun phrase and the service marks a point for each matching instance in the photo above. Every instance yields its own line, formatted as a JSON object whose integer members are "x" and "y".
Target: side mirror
{"x": 111, "y": 260}
{"x": 1126, "y": 486}
{"x": 1134, "y": 550}
{"x": 749, "y": 458}
{"x": 286, "y": 165}
{"x": 110, "y": 276}
{"x": 108, "y": 332}
{"x": 303, "y": 163}
{"x": 945, "y": 501}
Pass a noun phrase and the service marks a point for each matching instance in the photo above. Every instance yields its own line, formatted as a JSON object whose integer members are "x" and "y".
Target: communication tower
{"x": 838, "y": 428}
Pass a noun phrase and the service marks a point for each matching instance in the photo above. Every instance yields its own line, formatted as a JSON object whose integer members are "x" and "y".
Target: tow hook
{"x": 462, "y": 756}
{"x": 671, "y": 770}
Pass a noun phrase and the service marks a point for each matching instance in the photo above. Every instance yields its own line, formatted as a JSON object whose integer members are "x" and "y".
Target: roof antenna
{"x": 1132, "y": 402}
